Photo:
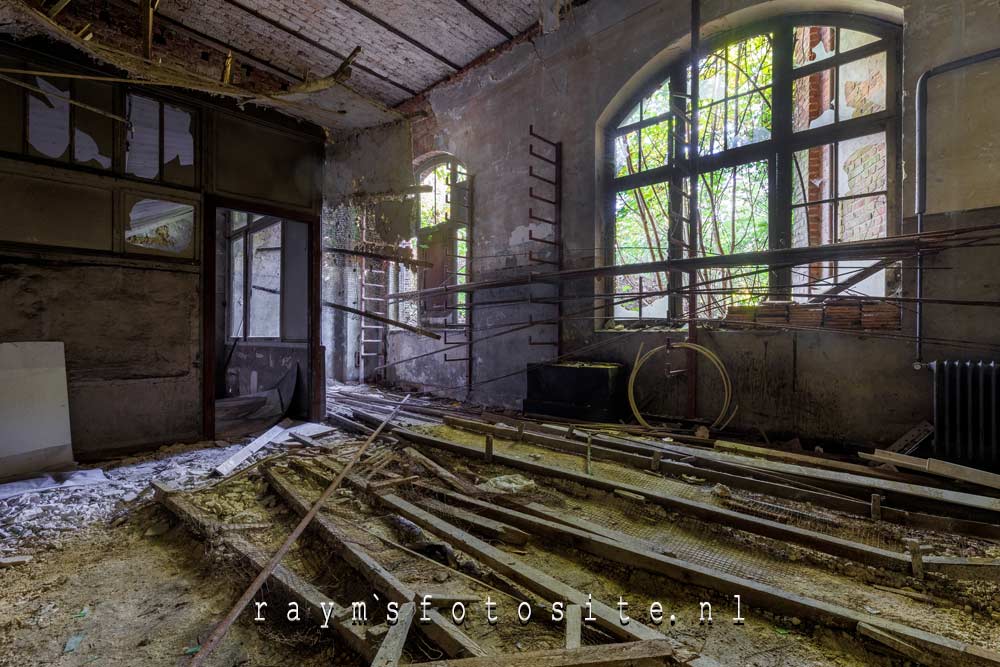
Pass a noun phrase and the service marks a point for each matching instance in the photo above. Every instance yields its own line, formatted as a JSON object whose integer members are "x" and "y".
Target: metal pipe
{"x": 695, "y": 218}
{"x": 921, "y": 160}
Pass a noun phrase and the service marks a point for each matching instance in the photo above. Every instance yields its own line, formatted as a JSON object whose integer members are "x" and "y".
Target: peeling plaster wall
{"x": 825, "y": 386}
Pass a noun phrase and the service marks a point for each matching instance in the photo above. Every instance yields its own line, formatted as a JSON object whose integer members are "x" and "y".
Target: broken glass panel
{"x": 812, "y": 177}
{"x": 142, "y": 157}
{"x": 862, "y": 218}
{"x": 178, "y": 145}
{"x": 265, "y": 285}
{"x": 434, "y": 205}
{"x": 93, "y": 134}
{"x": 862, "y": 87}
{"x": 161, "y": 227}
{"x": 854, "y": 39}
{"x": 48, "y": 119}
{"x": 236, "y": 312}
{"x": 813, "y": 101}
{"x": 642, "y": 149}
{"x": 813, "y": 44}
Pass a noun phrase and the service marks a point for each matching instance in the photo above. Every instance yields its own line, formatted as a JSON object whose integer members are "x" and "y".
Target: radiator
{"x": 966, "y": 404}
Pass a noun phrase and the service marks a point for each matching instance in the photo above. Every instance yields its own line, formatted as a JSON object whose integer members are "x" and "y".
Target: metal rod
{"x": 379, "y": 318}
{"x": 223, "y": 627}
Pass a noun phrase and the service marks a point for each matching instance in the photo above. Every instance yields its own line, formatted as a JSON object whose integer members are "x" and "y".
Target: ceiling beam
{"x": 399, "y": 33}
{"x": 313, "y": 43}
{"x": 485, "y": 19}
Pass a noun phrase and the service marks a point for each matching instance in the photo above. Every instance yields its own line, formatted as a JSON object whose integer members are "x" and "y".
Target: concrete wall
{"x": 822, "y": 386}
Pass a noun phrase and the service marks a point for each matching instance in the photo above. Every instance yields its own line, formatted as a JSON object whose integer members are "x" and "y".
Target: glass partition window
{"x": 796, "y": 144}
{"x": 265, "y": 283}
{"x": 160, "y": 141}
{"x": 156, "y": 226}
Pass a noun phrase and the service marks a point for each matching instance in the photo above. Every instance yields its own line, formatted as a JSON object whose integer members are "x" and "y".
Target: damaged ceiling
{"x": 285, "y": 53}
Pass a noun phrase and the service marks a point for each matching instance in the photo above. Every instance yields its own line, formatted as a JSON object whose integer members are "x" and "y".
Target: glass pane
{"x": 813, "y": 101}
{"x": 634, "y": 116}
{"x": 862, "y": 218}
{"x": 813, "y": 44}
{"x": 853, "y": 39}
{"x": 735, "y": 95}
{"x": 48, "y": 119}
{"x": 642, "y": 234}
{"x": 178, "y": 145}
{"x": 434, "y": 205}
{"x": 643, "y": 149}
{"x": 265, "y": 286}
{"x": 862, "y": 87}
{"x": 161, "y": 227}
{"x": 861, "y": 165}
{"x": 812, "y": 174}
{"x": 237, "y": 220}
{"x": 93, "y": 134}
{"x": 236, "y": 313}
{"x": 142, "y": 157}
{"x": 733, "y": 207}
{"x": 811, "y": 226}
{"x": 658, "y": 103}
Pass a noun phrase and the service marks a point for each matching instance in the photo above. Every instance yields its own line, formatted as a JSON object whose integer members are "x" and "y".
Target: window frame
{"x": 456, "y": 304}
{"x": 779, "y": 149}
{"x": 245, "y": 233}
{"x": 161, "y": 101}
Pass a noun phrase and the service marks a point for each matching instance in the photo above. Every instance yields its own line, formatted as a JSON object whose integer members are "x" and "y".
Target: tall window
{"x": 255, "y": 270}
{"x": 796, "y": 146}
{"x": 442, "y": 237}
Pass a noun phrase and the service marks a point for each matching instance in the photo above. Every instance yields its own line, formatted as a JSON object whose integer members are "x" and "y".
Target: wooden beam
{"x": 391, "y": 649}
{"x": 226, "y": 467}
{"x": 146, "y": 19}
{"x": 574, "y": 625}
{"x": 283, "y": 580}
{"x": 766, "y": 596}
{"x": 58, "y": 7}
{"x": 441, "y": 632}
{"x": 632, "y": 654}
{"x": 861, "y": 553}
{"x": 945, "y": 469}
{"x": 442, "y": 473}
{"x": 384, "y": 320}
{"x": 537, "y": 581}
{"x": 494, "y": 529}
{"x": 795, "y": 457}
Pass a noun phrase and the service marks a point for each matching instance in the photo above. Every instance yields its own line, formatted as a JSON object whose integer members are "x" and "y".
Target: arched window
{"x": 797, "y": 146}
{"x": 441, "y": 236}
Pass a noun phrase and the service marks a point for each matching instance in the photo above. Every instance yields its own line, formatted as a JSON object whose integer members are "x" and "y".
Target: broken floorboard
{"x": 735, "y": 475}
{"x": 860, "y": 553}
{"x": 632, "y": 654}
{"x": 287, "y": 583}
{"x": 442, "y": 633}
{"x": 761, "y": 595}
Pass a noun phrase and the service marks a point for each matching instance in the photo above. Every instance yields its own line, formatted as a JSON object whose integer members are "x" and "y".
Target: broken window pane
{"x": 265, "y": 285}
{"x": 434, "y": 205}
{"x": 861, "y": 165}
{"x": 642, "y": 149}
{"x": 142, "y": 157}
{"x": 93, "y": 134}
{"x": 862, "y": 87}
{"x": 161, "y": 227}
{"x": 237, "y": 221}
{"x": 178, "y": 145}
{"x": 733, "y": 207}
{"x": 813, "y": 101}
{"x": 812, "y": 174}
{"x": 236, "y": 312}
{"x": 48, "y": 119}
{"x": 813, "y": 44}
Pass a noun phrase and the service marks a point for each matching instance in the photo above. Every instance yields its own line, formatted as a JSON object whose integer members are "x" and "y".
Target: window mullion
{"x": 781, "y": 164}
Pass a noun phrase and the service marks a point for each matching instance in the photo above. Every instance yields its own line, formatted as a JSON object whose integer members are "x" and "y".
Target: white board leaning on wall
{"x": 34, "y": 409}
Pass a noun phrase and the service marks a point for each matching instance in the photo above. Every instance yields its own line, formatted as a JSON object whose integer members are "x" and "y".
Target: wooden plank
{"x": 442, "y": 473}
{"x": 515, "y": 569}
{"x": 286, "y": 582}
{"x": 898, "y": 645}
{"x": 631, "y": 654}
{"x": 574, "y": 625}
{"x": 794, "y": 457}
{"x": 226, "y": 467}
{"x": 354, "y": 427}
{"x": 946, "y": 469}
{"x": 912, "y": 438}
{"x": 766, "y": 596}
{"x": 494, "y": 529}
{"x": 440, "y": 631}
{"x": 391, "y": 649}
{"x": 146, "y": 14}
{"x": 861, "y": 553}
